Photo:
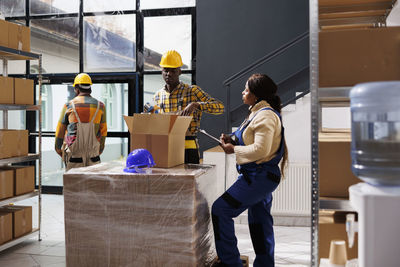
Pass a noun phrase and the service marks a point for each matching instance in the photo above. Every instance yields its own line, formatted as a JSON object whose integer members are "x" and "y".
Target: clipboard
{"x": 210, "y": 136}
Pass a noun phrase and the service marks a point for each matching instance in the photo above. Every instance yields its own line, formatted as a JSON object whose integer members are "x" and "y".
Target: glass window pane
{"x": 43, "y": 7}
{"x": 152, "y": 83}
{"x": 53, "y": 167}
{"x": 150, "y": 4}
{"x": 58, "y": 42}
{"x": 16, "y": 119}
{"x": 157, "y": 40}
{"x": 109, "y": 43}
{"x": 115, "y": 5}
{"x": 12, "y": 8}
{"x": 113, "y": 95}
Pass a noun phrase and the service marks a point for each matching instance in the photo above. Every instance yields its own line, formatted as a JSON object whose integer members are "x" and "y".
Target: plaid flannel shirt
{"x": 182, "y": 96}
{"x": 85, "y": 107}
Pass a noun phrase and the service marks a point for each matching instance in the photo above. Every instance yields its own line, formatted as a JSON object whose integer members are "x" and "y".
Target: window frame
{"x": 134, "y": 78}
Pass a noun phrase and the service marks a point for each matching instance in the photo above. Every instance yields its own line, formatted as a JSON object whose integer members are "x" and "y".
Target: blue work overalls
{"x": 253, "y": 191}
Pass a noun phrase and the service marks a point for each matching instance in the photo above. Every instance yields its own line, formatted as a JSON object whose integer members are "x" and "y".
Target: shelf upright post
{"x": 315, "y": 114}
{"x": 40, "y": 146}
{"x": 5, "y": 112}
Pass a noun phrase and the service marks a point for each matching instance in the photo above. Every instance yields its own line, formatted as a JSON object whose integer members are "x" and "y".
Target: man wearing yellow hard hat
{"x": 188, "y": 100}
{"x": 82, "y": 128}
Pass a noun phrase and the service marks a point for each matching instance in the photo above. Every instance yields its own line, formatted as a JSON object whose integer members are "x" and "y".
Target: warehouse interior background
{"x": 120, "y": 43}
{"x": 121, "y": 48}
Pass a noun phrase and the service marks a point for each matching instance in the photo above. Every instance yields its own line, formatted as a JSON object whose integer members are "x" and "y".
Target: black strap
{"x": 273, "y": 177}
{"x": 95, "y": 159}
{"x": 75, "y": 160}
{"x": 246, "y": 176}
{"x": 233, "y": 202}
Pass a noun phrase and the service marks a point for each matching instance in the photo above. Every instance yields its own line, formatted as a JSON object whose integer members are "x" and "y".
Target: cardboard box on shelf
{"x": 22, "y": 219}
{"x": 351, "y": 56}
{"x": 13, "y": 143}
{"x": 3, "y": 33}
{"x": 24, "y": 179}
{"x": 335, "y": 175}
{"x": 19, "y": 37}
{"x": 23, "y": 91}
{"x": 6, "y": 183}
{"x": 7, "y": 90}
{"x": 162, "y": 134}
{"x": 6, "y": 227}
{"x": 332, "y": 226}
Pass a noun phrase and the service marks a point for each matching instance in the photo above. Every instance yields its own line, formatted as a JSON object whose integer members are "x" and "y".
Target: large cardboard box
{"x": 162, "y": 134}
{"x": 332, "y": 226}
{"x": 19, "y": 37}
{"x": 22, "y": 219}
{"x": 3, "y": 33}
{"x": 335, "y": 175}
{"x": 6, "y": 183}
{"x": 13, "y": 143}
{"x": 348, "y": 57}
{"x": 23, "y": 91}
{"x": 7, "y": 90}
{"x": 139, "y": 219}
{"x": 6, "y": 227}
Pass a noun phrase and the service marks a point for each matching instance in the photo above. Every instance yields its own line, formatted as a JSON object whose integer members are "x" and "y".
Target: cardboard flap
{"x": 155, "y": 124}
{"x": 181, "y": 124}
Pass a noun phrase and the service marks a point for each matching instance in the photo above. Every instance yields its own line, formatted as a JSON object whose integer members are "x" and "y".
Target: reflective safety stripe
{"x": 190, "y": 144}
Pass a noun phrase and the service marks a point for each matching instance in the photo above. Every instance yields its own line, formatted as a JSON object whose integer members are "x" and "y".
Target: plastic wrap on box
{"x": 113, "y": 218}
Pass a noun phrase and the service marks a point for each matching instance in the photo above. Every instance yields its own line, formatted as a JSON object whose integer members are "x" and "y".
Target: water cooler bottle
{"x": 375, "y": 126}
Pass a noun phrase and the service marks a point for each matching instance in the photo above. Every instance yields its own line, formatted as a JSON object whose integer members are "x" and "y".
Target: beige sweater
{"x": 261, "y": 137}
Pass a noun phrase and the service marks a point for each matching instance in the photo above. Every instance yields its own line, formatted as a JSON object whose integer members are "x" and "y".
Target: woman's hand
{"x": 226, "y": 138}
{"x": 227, "y": 147}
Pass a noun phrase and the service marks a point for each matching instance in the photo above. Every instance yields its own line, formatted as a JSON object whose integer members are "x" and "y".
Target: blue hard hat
{"x": 139, "y": 159}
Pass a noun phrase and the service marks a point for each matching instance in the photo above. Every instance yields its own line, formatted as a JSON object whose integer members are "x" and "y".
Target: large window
{"x": 117, "y": 43}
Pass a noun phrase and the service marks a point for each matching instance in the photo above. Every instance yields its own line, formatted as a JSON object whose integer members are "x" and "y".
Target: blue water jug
{"x": 375, "y": 132}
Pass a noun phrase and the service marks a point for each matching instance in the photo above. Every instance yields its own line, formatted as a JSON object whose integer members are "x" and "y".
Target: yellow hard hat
{"x": 171, "y": 59}
{"x": 82, "y": 78}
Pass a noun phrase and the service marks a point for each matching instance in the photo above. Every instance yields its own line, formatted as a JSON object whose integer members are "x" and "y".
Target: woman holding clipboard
{"x": 259, "y": 147}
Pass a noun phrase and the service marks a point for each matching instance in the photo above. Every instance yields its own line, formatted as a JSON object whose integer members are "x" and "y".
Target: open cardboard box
{"x": 162, "y": 134}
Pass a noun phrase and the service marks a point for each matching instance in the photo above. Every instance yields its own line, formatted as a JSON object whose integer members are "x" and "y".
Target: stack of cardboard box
{"x": 15, "y": 221}
{"x": 123, "y": 219}
{"x": 15, "y": 90}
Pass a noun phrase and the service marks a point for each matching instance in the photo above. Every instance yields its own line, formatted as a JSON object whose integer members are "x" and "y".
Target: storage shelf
{"x": 29, "y": 157}
{"x": 19, "y": 107}
{"x": 18, "y": 240}
{"x": 18, "y": 198}
{"x": 13, "y": 54}
{"x": 335, "y": 204}
{"x": 334, "y": 94}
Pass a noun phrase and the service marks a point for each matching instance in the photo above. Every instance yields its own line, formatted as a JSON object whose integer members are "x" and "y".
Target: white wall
{"x": 297, "y": 123}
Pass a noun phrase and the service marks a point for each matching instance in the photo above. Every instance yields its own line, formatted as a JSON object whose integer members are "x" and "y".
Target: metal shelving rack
{"x": 326, "y": 15}
{"x": 7, "y": 54}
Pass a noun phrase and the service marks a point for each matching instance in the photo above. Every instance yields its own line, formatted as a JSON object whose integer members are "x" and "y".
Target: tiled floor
{"x": 292, "y": 243}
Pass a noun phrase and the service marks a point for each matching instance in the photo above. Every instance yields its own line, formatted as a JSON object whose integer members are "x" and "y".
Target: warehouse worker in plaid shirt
{"x": 82, "y": 129}
{"x": 187, "y": 100}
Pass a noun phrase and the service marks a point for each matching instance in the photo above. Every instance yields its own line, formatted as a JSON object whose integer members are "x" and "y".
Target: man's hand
{"x": 227, "y": 147}
{"x": 188, "y": 111}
